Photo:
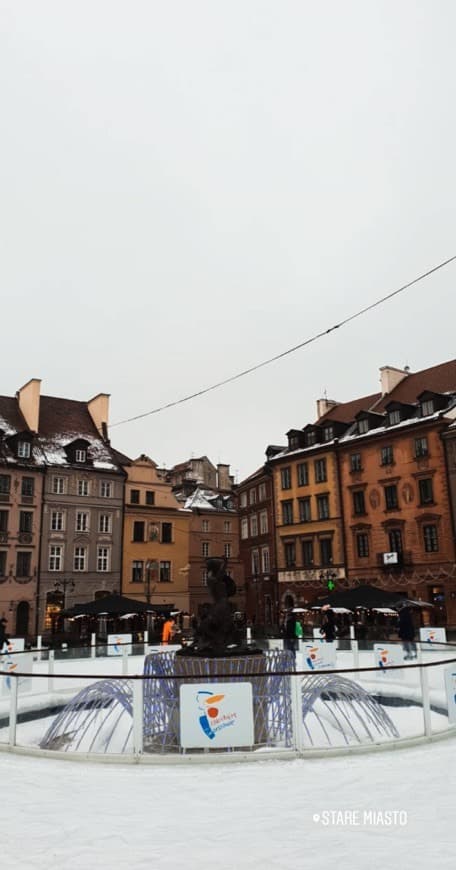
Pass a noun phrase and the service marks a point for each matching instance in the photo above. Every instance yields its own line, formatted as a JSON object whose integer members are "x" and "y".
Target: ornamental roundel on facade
{"x": 407, "y": 493}
{"x": 374, "y": 498}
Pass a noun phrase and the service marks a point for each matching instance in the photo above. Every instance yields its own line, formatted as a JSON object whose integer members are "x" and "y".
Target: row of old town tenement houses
{"x": 367, "y": 493}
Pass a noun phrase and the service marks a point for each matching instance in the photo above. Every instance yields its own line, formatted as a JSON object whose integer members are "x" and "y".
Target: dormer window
{"x": 311, "y": 437}
{"x": 23, "y": 449}
{"x": 394, "y": 417}
{"x": 328, "y": 433}
{"x": 80, "y": 455}
{"x": 427, "y": 407}
{"x": 294, "y": 443}
{"x": 363, "y": 426}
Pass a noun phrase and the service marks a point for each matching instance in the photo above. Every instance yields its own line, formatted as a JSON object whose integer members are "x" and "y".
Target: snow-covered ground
{"x": 278, "y": 814}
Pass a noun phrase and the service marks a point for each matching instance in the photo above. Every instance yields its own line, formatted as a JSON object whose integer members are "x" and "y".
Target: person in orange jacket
{"x": 168, "y": 630}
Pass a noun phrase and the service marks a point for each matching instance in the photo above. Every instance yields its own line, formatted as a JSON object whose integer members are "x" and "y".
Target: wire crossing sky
{"x": 290, "y": 350}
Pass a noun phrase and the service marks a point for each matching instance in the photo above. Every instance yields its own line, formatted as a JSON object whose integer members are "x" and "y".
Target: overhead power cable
{"x": 290, "y": 350}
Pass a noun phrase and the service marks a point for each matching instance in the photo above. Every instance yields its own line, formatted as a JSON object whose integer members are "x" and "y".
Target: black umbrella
{"x": 364, "y": 596}
{"x": 112, "y": 605}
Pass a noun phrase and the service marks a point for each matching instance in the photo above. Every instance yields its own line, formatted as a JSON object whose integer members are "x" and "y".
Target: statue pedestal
{"x": 271, "y": 694}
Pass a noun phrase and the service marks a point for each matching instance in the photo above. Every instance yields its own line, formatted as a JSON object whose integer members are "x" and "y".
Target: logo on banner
{"x": 211, "y": 719}
{"x": 313, "y": 659}
{"x": 118, "y": 641}
{"x": 385, "y": 659}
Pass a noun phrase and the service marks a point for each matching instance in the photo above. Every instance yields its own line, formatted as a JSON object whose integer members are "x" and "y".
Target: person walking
{"x": 406, "y": 632}
{"x": 168, "y": 630}
{"x": 328, "y": 626}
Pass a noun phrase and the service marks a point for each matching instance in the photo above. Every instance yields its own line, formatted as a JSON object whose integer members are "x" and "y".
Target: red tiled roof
{"x": 438, "y": 379}
{"x": 10, "y": 413}
{"x": 346, "y": 412}
{"x": 59, "y": 416}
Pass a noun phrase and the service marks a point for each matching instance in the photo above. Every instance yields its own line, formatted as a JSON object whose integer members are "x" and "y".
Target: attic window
{"x": 363, "y": 426}
{"x": 294, "y": 442}
{"x": 394, "y": 417}
{"x": 427, "y": 407}
{"x": 311, "y": 437}
{"x": 328, "y": 433}
{"x": 80, "y": 455}
{"x": 23, "y": 449}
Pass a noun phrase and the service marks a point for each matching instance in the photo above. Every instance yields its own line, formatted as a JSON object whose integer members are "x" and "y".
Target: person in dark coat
{"x": 4, "y": 639}
{"x": 328, "y": 626}
{"x": 289, "y": 633}
{"x": 406, "y": 632}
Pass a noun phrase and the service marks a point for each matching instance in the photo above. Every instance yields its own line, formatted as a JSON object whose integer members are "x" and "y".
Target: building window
{"x": 23, "y": 450}
{"x": 387, "y": 457}
{"x": 227, "y": 551}
{"x": 359, "y": 506}
{"x": 427, "y": 408}
{"x": 205, "y": 548}
{"x": 28, "y": 487}
{"x": 204, "y": 577}
{"x": 2, "y": 563}
{"x": 253, "y": 525}
{"x": 320, "y": 470}
{"x": 138, "y": 531}
{"x": 265, "y": 563}
{"x": 134, "y": 496}
{"x": 326, "y": 551}
{"x": 103, "y": 558}
{"x": 355, "y": 462}
{"x": 307, "y": 553}
{"x": 166, "y": 533}
{"x": 328, "y": 433}
{"x": 57, "y": 521}
{"x": 255, "y": 562}
{"x": 82, "y": 521}
{"x": 137, "y": 571}
{"x": 262, "y": 492}
{"x": 150, "y": 497}
{"x": 303, "y": 474}
{"x": 421, "y": 447}
{"x": 80, "y": 455}
{"x": 105, "y": 523}
{"x": 243, "y": 500}
{"x": 83, "y": 487}
{"x": 363, "y": 427}
{"x": 58, "y": 485}
{"x": 5, "y": 483}
{"x": 106, "y": 489}
{"x": 55, "y": 558}
{"x": 431, "y": 540}
{"x": 289, "y": 549}
{"x": 23, "y": 564}
{"x": 323, "y": 507}
{"x": 394, "y": 417}
{"x": 426, "y": 493}
{"x": 79, "y": 560}
{"x": 205, "y": 525}
{"x": 227, "y": 527}
{"x": 287, "y": 513}
{"x": 263, "y": 523}
{"x": 395, "y": 541}
{"x": 252, "y": 495}
{"x": 391, "y": 501}
{"x": 4, "y": 521}
{"x": 26, "y": 521}
{"x": 285, "y": 477}
{"x": 311, "y": 437}
{"x": 165, "y": 572}
{"x": 304, "y": 510}
{"x": 362, "y": 545}
{"x": 244, "y": 528}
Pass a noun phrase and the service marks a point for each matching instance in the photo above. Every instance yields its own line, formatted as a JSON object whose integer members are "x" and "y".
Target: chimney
{"x": 390, "y": 377}
{"x": 223, "y": 476}
{"x": 325, "y": 405}
{"x": 98, "y": 408}
{"x": 28, "y": 398}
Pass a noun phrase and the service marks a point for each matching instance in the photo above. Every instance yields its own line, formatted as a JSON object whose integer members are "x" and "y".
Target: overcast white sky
{"x": 191, "y": 186}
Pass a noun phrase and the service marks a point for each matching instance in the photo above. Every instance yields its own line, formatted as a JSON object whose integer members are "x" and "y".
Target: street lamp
{"x": 61, "y": 587}
{"x": 330, "y": 577}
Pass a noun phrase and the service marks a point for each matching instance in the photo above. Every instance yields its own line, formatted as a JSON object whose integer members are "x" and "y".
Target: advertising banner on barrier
{"x": 386, "y": 655}
{"x": 9, "y": 663}
{"x": 450, "y": 686}
{"x": 318, "y": 655}
{"x": 116, "y": 643}
{"x": 216, "y": 715}
{"x": 16, "y": 644}
{"x": 433, "y": 635}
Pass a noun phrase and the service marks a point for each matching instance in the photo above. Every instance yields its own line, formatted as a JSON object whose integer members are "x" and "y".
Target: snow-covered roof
{"x": 206, "y": 499}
